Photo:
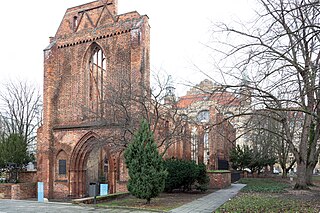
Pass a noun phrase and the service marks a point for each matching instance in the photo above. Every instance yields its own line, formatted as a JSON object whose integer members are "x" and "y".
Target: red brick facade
{"x": 95, "y": 55}
{"x": 206, "y": 142}
{"x": 209, "y": 136}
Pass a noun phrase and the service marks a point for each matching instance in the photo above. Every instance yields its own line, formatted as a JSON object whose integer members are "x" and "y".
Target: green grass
{"x": 218, "y": 171}
{"x": 121, "y": 202}
{"x": 316, "y": 178}
{"x": 265, "y": 203}
{"x": 263, "y": 185}
{"x": 265, "y": 195}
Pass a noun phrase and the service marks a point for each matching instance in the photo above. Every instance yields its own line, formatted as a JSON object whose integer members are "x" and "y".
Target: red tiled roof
{"x": 223, "y": 99}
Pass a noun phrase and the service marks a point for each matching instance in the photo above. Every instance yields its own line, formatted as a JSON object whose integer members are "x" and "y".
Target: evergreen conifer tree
{"x": 145, "y": 165}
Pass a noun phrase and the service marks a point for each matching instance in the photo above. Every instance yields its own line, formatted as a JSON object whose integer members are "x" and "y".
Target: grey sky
{"x": 178, "y": 30}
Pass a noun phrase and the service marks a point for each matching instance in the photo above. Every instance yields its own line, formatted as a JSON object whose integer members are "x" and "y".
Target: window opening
{"x": 194, "y": 145}
{"x": 75, "y": 23}
{"x": 62, "y": 167}
{"x": 97, "y": 78}
{"x": 206, "y": 147}
{"x": 203, "y": 116}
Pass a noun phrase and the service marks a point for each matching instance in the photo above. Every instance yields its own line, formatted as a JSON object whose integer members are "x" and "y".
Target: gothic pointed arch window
{"x": 194, "y": 144}
{"x": 96, "y": 80}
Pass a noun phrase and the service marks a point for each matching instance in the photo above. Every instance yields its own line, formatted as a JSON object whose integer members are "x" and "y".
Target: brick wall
{"x": 5, "y": 190}
{"x": 18, "y": 191}
{"x": 23, "y": 191}
{"x": 122, "y": 186}
{"x": 28, "y": 176}
{"x": 219, "y": 180}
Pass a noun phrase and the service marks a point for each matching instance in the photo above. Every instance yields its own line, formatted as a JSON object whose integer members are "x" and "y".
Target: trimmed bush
{"x": 183, "y": 174}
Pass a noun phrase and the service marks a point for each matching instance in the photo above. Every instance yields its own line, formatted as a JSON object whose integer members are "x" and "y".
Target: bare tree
{"x": 20, "y": 110}
{"x": 279, "y": 55}
{"x": 127, "y": 107}
{"x": 267, "y": 133}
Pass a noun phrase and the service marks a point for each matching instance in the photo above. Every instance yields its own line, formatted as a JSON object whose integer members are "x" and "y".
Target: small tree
{"x": 145, "y": 165}
{"x": 246, "y": 157}
{"x": 13, "y": 155}
{"x": 241, "y": 157}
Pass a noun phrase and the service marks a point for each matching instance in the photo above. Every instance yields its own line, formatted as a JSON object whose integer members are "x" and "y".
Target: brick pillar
{"x": 15, "y": 192}
{"x": 112, "y": 174}
{"x": 187, "y": 143}
{"x": 200, "y": 145}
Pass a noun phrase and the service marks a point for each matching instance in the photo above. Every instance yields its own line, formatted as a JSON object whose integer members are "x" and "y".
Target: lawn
{"x": 316, "y": 179}
{"x": 272, "y": 195}
{"x": 264, "y": 185}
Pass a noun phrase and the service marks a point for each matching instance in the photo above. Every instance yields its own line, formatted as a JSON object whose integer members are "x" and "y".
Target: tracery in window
{"x": 96, "y": 81}
{"x": 206, "y": 147}
{"x": 194, "y": 144}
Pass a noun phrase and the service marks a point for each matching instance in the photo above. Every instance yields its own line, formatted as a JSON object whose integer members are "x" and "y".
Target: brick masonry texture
{"x": 18, "y": 191}
{"x": 28, "y": 176}
{"x": 72, "y": 125}
{"x": 219, "y": 180}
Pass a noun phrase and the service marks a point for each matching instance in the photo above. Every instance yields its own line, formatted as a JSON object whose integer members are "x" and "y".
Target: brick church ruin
{"x": 96, "y": 68}
{"x": 94, "y": 51}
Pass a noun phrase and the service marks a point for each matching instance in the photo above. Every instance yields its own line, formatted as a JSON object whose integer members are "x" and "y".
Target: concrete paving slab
{"x": 23, "y": 206}
{"x": 211, "y": 202}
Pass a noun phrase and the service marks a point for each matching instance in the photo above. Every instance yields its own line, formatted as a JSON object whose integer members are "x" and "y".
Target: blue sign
{"x": 103, "y": 189}
{"x": 40, "y": 192}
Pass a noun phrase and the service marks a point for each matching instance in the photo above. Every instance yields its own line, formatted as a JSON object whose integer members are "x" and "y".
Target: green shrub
{"x": 202, "y": 178}
{"x": 183, "y": 174}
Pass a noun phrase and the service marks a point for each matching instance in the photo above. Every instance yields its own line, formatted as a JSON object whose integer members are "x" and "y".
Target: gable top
{"x": 92, "y": 17}
{"x": 112, "y": 6}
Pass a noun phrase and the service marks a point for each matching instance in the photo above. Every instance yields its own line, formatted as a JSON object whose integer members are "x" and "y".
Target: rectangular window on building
{"x": 62, "y": 167}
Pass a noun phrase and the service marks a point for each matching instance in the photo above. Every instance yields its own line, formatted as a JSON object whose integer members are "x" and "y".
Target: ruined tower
{"x": 96, "y": 58}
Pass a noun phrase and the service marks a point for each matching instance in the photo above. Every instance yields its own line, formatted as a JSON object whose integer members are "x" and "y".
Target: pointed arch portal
{"x": 88, "y": 163}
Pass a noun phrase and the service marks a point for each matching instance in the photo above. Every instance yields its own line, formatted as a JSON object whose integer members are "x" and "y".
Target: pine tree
{"x": 145, "y": 165}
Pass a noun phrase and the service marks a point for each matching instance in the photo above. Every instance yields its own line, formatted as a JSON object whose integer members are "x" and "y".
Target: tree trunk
{"x": 284, "y": 172}
{"x": 309, "y": 173}
{"x": 301, "y": 182}
{"x": 148, "y": 201}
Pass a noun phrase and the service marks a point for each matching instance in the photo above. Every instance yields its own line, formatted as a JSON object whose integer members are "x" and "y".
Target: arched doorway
{"x": 89, "y": 163}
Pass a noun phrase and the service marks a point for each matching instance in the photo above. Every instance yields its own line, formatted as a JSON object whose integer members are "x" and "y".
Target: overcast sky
{"x": 179, "y": 28}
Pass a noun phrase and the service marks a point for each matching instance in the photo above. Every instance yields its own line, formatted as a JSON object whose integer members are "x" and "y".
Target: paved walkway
{"x": 211, "y": 202}
{"x": 205, "y": 204}
{"x": 23, "y": 206}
